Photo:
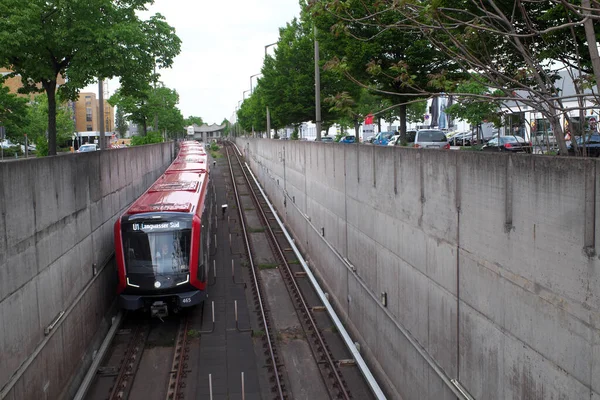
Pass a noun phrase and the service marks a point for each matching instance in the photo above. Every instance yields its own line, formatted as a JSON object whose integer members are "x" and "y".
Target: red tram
{"x": 162, "y": 240}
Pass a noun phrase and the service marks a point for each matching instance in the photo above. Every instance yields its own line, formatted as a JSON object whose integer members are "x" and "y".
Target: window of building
{"x": 88, "y": 114}
{"x": 89, "y": 127}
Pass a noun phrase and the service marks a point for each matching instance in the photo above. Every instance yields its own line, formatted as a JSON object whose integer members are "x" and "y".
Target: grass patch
{"x": 215, "y": 154}
{"x": 256, "y": 230}
{"x": 267, "y": 266}
{"x": 258, "y": 333}
{"x": 193, "y": 333}
{"x": 294, "y": 262}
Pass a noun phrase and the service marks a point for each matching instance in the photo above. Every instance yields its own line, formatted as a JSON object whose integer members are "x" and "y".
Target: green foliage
{"x": 149, "y": 138}
{"x": 121, "y": 122}
{"x": 13, "y": 112}
{"x": 214, "y": 146}
{"x": 401, "y": 65}
{"x": 81, "y": 41}
{"x": 295, "y": 134}
{"x": 36, "y": 124}
{"x": 191, "y": 120}
{"x": 12, "y": 152}
{"x": 477, "y": 108}
{"x": 41, "y": 145}
{"x": 151, "y": 104}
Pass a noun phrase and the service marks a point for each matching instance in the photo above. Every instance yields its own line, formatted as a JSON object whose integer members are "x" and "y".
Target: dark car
{"x": 513, "y": 144}
{"x": 592, "y": 145}
{"x": 348, "y": 139}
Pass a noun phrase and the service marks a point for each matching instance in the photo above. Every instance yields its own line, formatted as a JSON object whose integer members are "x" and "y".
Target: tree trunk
{"x": 356, "y": 129}
{"x": 402, "y": 115}
{"x": 559, "y": 134}
{"x": 590, "y": 35}
{"x": 50, "y": 88}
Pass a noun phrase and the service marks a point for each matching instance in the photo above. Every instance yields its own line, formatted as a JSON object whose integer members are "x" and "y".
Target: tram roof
{"x": 174, "y": 192}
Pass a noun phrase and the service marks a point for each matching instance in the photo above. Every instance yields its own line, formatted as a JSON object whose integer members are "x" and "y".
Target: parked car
{"x": 396, "y": 141}
{"x": 326, "y": 139}
{"x": 6, "y": 144}
{"x": 431, "y": 139}
{"x": 382, "y": 138}
{"x": 30, "y": 147}
{"x": 393, "y": 139}
{"x": 348, "y": 139}
{"x": 84, "y": 148}
{"x": 592, "y": 145}
{"x": 461, "y": 139}
{"x": 507, "y": 143}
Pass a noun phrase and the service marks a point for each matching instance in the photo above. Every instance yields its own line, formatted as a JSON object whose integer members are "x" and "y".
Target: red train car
{"x": 162, "y": 241}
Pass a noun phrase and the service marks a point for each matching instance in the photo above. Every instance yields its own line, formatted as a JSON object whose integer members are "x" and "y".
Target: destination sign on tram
{"x": 156, "y": 227}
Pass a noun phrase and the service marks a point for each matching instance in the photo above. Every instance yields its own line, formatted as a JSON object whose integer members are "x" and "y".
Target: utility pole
{"x": 101, "y": 113}
{"x": 268, "y": 115}
{"x": 317, "y": 88}
{"x": 268, "y": 124}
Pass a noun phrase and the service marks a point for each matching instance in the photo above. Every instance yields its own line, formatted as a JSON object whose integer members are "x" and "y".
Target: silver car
{"x": 431, "y": 139}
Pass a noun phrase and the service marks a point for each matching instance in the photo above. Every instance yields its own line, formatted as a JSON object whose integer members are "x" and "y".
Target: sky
{"x": 223, "y": 44}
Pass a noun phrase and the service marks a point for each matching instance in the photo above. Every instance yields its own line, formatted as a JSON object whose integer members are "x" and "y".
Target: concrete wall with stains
{"x": 56, "y": 240}
{"x": 451, "y": 265}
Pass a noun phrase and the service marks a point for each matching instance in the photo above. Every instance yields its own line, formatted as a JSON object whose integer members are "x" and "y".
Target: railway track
{"x": 199, "y": 354}
{"x": 308, "y": 309}
{"x": 140, "y": 341}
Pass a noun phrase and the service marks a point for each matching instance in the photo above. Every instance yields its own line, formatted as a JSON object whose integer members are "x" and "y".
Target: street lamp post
{"x": 252, "y": 76}
{"x": 268, "y": 115}
{"x": 101, "y": 113}
{"x": 269, "y": 45}
{"x": 317, "y": 88}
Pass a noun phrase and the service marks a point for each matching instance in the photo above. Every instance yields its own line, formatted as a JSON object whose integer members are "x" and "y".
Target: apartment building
{"x": 86, "y": 114}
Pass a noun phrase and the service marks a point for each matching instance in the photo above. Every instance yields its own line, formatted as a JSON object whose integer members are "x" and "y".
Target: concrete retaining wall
{"x": 488, "y": 262}
{"x": 56, "y": 237}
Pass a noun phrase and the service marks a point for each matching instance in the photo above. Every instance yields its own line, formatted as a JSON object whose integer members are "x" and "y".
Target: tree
{"x": 191, "y": 120}
{"x": 472, "y": 109}
{"x": 400, "y": 66}
{"x": 13, "y": 113}
{"x": 517, "y": 47}
{"x": 81, "y": 41}
{"x": 36, "y": 125}
{"x": 287, "y": 85}
{"x": 121, "y": 122}
{"x": 144, "y": 106}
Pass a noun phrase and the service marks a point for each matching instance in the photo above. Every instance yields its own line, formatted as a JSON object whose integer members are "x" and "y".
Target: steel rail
{"x": 177, "y": 370}
{"x": 254, "y": 277}
{"x": 375, "y": 388}
{"x": 131, "y": 362}
{"x": 299, "y": 298}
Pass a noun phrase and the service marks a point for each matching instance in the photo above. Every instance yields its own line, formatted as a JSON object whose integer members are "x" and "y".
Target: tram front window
{"x": 160, "y": 253}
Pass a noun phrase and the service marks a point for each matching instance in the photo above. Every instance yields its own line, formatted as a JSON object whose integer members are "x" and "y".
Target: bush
{"x": 41, "y": 145}
{"x": 12, "y": 151}
{"x": 151, "y": 137}
{"x": 214, "y": 146}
